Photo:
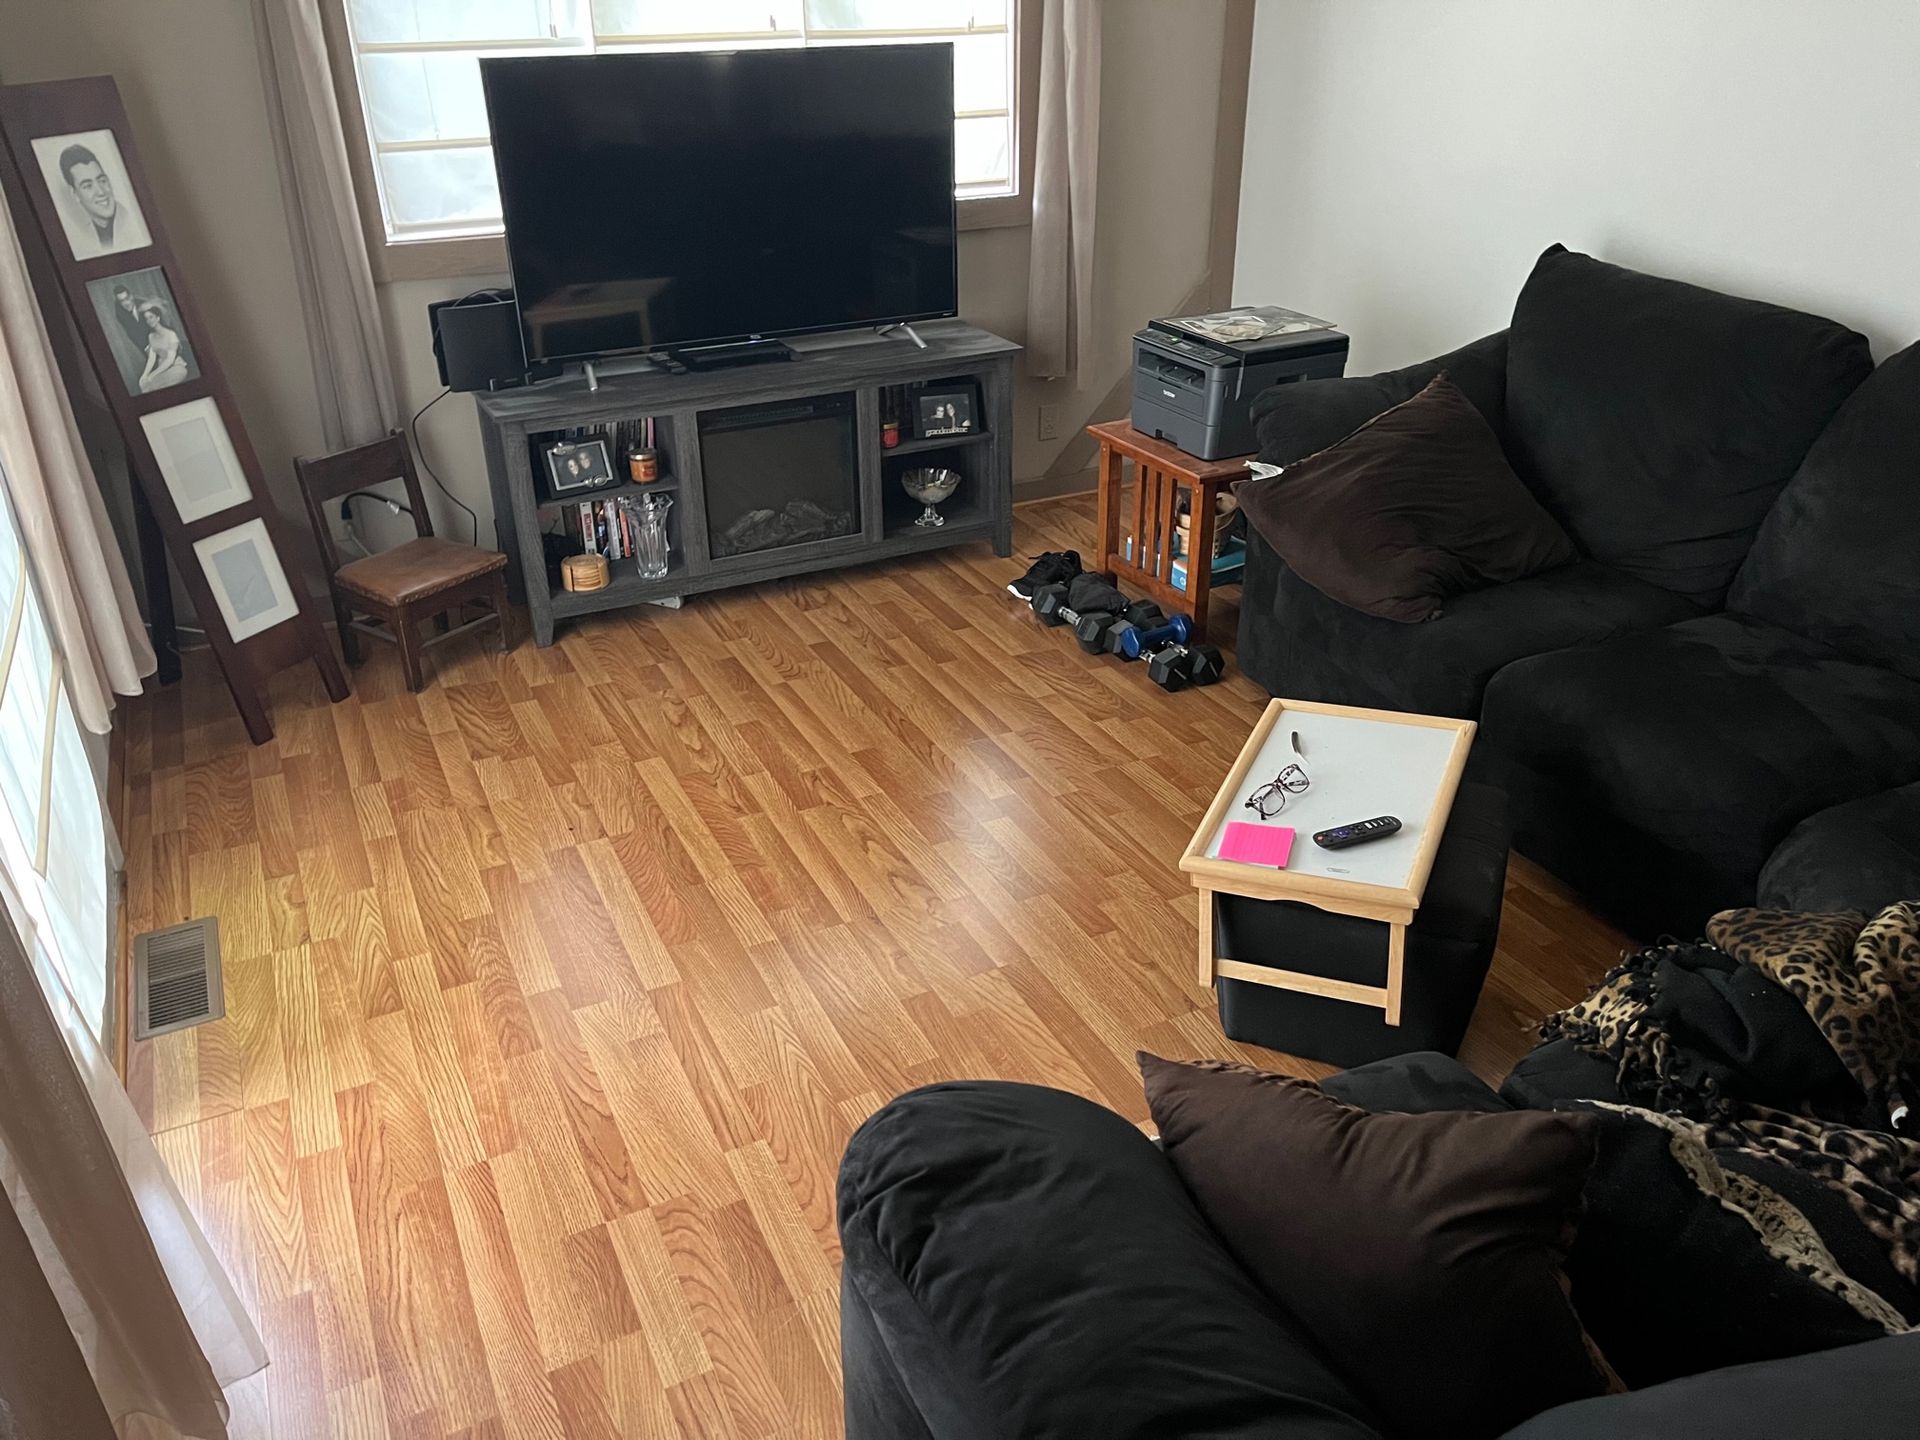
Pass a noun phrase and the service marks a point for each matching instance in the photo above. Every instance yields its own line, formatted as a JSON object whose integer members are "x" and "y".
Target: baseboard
{"x": 1049, "y": 487}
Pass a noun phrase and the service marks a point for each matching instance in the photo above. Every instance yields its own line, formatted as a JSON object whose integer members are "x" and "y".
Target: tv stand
{"x": 855, "y": 371}
{"x": 756, "y": 351}
{"x": 906, "y": 329}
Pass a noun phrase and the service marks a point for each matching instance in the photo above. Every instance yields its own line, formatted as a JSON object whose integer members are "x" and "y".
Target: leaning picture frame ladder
{"x": 247, "y": 661}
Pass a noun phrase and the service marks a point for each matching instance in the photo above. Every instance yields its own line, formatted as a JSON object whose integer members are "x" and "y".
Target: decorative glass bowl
{"x": 930, "y": 485}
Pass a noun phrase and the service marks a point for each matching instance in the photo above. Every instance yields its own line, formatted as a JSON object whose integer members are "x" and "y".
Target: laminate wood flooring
{"x": 554, "y": 992}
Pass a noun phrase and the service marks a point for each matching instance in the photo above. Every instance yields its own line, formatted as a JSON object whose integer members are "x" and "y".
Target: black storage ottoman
{"x": 1449, "y": 946}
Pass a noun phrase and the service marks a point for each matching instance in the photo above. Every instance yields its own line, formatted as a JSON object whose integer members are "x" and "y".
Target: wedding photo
{"x": 143, "y": 329}
{"x": 91, "y": 193}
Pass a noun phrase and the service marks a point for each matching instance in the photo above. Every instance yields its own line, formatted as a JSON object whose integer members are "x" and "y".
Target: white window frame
{"x": 442, "y": 256}
{"x": 26, "y": 882}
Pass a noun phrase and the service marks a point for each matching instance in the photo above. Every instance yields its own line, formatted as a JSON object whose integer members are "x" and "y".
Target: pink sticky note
{"x": 1257, "y": 844}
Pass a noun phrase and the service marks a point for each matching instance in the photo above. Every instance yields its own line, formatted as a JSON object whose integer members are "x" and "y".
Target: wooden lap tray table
{"x": 1360, "y": 763}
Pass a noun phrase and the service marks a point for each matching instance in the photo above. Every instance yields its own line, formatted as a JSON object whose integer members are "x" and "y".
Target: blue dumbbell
{"x": 1135, "y": 643}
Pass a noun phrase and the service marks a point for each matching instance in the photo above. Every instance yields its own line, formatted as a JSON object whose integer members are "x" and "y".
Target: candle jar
{"x": 890, "y": 434}
{"x": 643, "y": 465}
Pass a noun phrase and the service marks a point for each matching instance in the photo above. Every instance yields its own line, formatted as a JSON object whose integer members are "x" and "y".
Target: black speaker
{"x": 476, "y": 342}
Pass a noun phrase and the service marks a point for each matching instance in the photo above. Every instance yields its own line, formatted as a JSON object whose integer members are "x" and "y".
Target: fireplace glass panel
{"x": 779, "y": 474}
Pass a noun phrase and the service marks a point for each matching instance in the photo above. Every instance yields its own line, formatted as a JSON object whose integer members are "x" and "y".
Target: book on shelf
{"x": 603, "y": 528}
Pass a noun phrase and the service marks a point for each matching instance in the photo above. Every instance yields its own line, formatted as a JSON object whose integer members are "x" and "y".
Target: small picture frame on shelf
{"x": 578, "y": 467}
{"x": 945, "y": 410}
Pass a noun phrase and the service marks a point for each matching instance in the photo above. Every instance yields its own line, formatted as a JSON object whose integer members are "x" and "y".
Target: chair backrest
{"x": 326, "y": 478}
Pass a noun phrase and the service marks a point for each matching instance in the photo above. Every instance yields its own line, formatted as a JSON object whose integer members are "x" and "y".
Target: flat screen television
{"x": 681, "y": 199}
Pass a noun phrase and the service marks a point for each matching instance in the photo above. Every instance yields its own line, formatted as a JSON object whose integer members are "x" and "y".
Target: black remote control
{"x": 1341, "y": 836}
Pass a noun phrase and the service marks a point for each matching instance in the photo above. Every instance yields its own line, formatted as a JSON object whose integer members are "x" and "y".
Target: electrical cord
{"x": 398, "y": 507}
{"x": 413, "y": 433}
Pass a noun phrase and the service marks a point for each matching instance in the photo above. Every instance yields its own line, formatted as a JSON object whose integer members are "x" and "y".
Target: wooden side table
{"x": 1160, "y": 474}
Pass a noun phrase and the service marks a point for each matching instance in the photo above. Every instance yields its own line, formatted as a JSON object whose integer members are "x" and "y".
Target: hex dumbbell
{"x": 1089, "y": 603}
{"x": 1177, "y": 630}
{"x": 1140, "y": 615}
{"x": 1174, "y": 667}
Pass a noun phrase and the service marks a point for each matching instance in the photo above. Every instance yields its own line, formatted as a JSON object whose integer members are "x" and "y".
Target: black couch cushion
{"x": 1839, "y": 557}
{"x": 1658, "y": 420}
{"x": 1859, "y": 1392}
{"x": 1294, "y": 420}
{"x": 1670, "y": 764}
{"x": 1027, "y": 1263}
{"x": 1415, "y": 1083}
{"x": 1298, "y": 643}
{"x": 1862, "y": 855}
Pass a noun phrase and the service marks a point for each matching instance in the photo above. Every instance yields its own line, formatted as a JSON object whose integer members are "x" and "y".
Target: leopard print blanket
{"x": 1859, "y": 980}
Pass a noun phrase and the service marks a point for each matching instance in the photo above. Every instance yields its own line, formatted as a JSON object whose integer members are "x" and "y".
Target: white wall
{"x": 1407, "y": 159}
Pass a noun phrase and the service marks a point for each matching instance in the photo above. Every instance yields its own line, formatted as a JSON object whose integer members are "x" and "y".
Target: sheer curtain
{"x": 1066, "y": 166}
{"x": 351, "y": 368}
{"x": 63, "y": 520}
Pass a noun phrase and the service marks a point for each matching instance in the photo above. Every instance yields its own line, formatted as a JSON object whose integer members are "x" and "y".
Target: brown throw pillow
{"x": 1422, "y": 1251}
{"x": 1417, "y": 504}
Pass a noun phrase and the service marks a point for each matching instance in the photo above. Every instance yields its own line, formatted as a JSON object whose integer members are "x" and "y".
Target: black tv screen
{"x": 671, "y": 199}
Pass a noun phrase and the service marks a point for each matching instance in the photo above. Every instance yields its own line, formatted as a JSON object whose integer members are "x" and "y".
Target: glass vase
{"x": 650, "y": 546}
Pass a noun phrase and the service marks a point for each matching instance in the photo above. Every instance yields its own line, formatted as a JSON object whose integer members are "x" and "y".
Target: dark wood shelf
{"x": 866, "y": 367}
{"x": 624, "y": 587}
{"x": 666, "y": 484}
{"x": 961, "y": 525}
{"x": 936, "y": 442}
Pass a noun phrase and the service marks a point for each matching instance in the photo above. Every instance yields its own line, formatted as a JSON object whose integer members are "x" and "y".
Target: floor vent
{"x": 176, "y": 978}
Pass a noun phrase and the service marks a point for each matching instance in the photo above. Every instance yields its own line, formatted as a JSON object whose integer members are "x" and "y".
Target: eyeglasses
{"x": 1271, "y": 798}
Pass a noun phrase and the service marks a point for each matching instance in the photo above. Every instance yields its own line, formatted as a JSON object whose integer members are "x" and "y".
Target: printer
{"x": 1195, "y": 376}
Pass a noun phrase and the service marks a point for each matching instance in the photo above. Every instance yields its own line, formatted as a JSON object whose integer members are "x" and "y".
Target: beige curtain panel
{"x": 351, "y": 368}
{"x": 44, "y": 1385}
{"x": 154, "y": 1316}
{"x": 1066, "y": 167}
{"x": 63, "y": 519}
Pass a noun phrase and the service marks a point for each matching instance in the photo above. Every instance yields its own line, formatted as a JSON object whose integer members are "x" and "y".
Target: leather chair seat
{"x": 415, "y": 569}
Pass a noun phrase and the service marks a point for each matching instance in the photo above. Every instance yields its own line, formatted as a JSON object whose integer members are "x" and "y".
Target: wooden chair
{"x": 417, "y": 579}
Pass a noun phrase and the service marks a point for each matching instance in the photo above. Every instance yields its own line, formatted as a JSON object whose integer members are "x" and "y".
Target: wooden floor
{"x": 553, "y": 993}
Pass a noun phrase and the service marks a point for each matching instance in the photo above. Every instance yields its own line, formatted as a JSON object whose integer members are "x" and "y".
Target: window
{"x": 55, "y": 851}
{"x": 416, "y": 63}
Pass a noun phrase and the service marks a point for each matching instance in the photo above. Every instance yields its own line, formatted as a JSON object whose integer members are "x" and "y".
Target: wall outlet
{"x": 1049, "y": 422}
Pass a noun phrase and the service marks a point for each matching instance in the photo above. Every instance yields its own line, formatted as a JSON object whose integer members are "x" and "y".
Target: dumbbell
{"x": 1140, "y": 615}
{"x": 1137, "y": 642}
{"x": 1099, "y": 606}
{"x": 1096, "y": 632}
{"x": 1174, "y": 667}
{"x": 1048, "y": 602}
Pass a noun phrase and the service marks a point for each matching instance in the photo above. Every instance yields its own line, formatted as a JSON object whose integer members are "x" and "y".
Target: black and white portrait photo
{"x": 91, "y": 193}
{"x": 945, "y": 412}
{"x": 579, "y": 465}
{"x": 143, "y": 328}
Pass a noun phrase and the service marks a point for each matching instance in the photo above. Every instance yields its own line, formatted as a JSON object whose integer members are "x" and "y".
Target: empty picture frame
{"x": 91, "y": 193}
{"x": 244, "y": 574}
{"x": 196, "y": 459}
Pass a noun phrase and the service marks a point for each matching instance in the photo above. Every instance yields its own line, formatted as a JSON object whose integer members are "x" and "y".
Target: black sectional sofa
{"x": 1721, "y": 699}
{"x": 1020, "y": 1262}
